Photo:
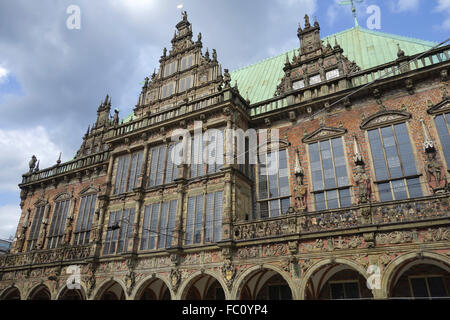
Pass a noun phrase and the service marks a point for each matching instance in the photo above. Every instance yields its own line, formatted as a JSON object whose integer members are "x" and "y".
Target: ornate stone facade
{"x": 296, "y": 248}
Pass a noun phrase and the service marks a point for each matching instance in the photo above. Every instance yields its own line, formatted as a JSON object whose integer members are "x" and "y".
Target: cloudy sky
{"x": 52, "y": 79}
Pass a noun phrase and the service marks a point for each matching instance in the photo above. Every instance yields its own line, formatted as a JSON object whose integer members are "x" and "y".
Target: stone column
{"x": 102, "y": 207}
{"x": 227, "y": 193}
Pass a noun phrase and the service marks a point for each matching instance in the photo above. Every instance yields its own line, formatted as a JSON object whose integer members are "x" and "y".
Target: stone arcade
{"x": 362, "y": 181}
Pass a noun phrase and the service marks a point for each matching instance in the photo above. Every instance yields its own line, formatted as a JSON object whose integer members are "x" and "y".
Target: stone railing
{"x": 65, "y": 167}
{"x": 427, "y": 208}
{"x": 73, "y": 253}
{"x": 165, "y": 115}
{"x": 363, "y": 77}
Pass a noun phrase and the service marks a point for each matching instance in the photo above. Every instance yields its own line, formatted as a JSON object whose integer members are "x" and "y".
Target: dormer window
{"x": 170, "y": 68}
{"x": 186, "y": 62}
{"x": 314, "y": 79}
{"x": 298, "y": 84}
{"x": 332, "y": 74}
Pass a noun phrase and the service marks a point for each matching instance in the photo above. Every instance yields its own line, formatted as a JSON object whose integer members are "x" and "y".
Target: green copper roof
{"x": 366, "y": 47}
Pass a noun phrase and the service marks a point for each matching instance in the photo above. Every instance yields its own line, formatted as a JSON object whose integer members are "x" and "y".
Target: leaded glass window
{"x": 273, "y": 185}
{"x": 204, "y": 221}
{"x": 128, "y": 171}
{"x": 428, "y": 287}
{"x": 35, "y": 227}
{"x": 58, "y": 224}
{"x": 84, "y": 221}
{"x": 158, "y": 225}
{"x": 442, "y": 124}
{"x": 162, "y": 168}
{"x": 329, "y": 174}
{"x": 394, "y": 164}
{"x": 120, "y": 226}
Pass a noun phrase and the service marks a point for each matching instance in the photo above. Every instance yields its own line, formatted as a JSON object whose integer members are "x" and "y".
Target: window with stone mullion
{"x": 35, "y": 227}
{"x": 394, "y": 164}
{"x": 84, "y": 222}
{"x": 273, "y": 187}
{"x": 329, "y": 174}
{"x": 442, "y": 125}
{"x": 58, "y": 224}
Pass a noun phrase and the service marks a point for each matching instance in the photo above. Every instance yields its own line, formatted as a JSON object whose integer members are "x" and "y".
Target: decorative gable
{"x": 316, "y": 63}
{"x": 324, "y": 133}
{"x": 385, "y": 117}
{"x": 185, "y": 73}
{"x": 441, "y": 107}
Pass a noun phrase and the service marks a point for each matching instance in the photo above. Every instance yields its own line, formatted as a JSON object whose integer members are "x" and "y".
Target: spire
{"x": 352, "y": 3}
{"x": 357, "y": 157}
{"x": 428, "y": 143}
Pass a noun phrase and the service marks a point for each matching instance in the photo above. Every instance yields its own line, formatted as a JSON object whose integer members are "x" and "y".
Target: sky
{"x": 53, "y": 78}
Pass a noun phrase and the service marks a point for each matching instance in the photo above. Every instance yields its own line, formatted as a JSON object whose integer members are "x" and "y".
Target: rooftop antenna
{"x": 352, "y": 3}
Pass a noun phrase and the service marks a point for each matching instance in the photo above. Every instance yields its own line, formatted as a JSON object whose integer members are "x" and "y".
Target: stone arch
{"x": 11, "y": 293}
{"x": 391, "y": 272}
{"x": 307, "y": 276}
{"x": 187, "y": 284}
{"x": 64, "y": 290}
{"x": 39, "y": 292}
{"x": 106, "y": 286}
{"x": 144, "y": 283}
{"x": 241, "y": 280}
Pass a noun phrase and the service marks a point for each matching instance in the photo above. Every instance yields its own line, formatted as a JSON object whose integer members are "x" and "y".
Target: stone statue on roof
{"x": 32, "y": 163}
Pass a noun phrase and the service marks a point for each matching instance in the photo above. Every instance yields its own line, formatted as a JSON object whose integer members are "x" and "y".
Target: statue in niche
{"x": 300, "y": 190}
{"x": 362, "y": 182}
{"x": 434, "y": 171}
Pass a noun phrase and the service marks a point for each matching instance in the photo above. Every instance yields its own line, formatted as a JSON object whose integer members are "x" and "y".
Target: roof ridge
{"x": 379, "y": 33}
{"x": 404, "y": 38}
{"x": 263, "y": 60}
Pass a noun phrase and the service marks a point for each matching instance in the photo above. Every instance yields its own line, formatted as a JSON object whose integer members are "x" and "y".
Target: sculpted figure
{"x": 362, "y": 182}
{"x": 433, "y": 170}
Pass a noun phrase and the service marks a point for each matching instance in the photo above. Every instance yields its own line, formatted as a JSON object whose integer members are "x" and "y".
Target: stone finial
{"x": 428, "y": 143}
{"x": 400, "y": 52}
{"x": 207, "y": 54}
{"x": 59, "y": 159}
{"x": 336, "y": 44}
{"x": 146, "y": 82}
{"x": 307, "y": 24}
{"x": 184, "y": 15}
{"x": 299, "y": 27}
{"x": 214, "y": 54}
{"x": 357, "y": 157}
{"x": 316, "y": 24}
{"x": 199, "y": 37}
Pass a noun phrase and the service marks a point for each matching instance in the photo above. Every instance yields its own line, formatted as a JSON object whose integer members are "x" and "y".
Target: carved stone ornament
{"x": 175, "y": 278}
{"x": 385, "y": 117}
{"x": 228, "y": 272}
{"x": 130, "y": 281}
